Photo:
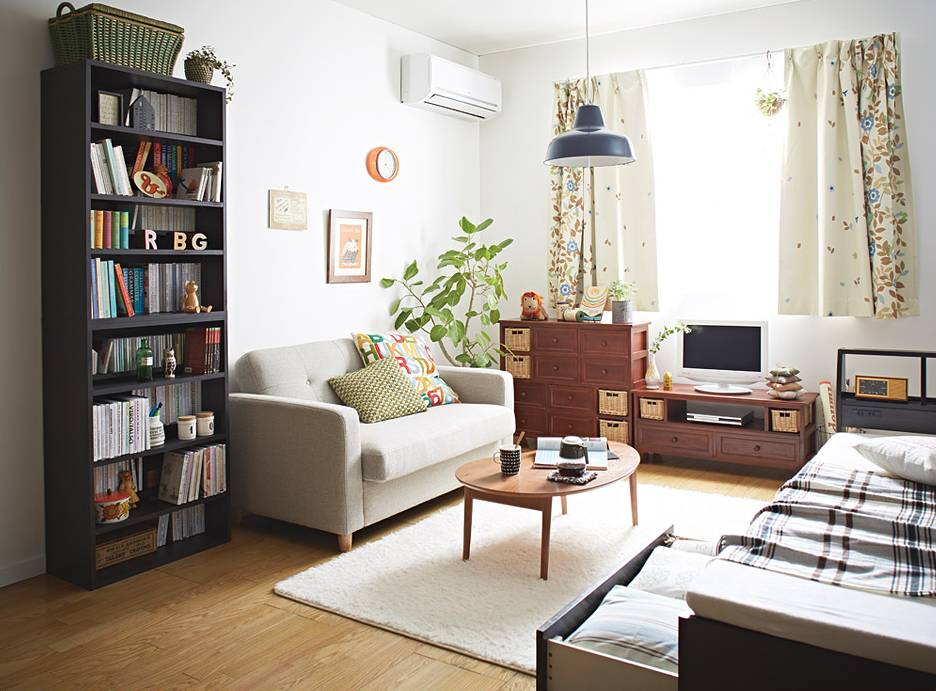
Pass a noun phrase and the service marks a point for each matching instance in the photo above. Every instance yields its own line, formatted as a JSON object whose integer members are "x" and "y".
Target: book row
{"x": 200, "y": 183}
{"x": 118, "y": 291}
{"x": 119, "y": 426}
{"x": 170, "y": 113}
{"x": 202, "y": 350}
{"x": 186, "y": 523}
{"x": 197, "y": 350}
{"x": 110, "y": 169}
{"x": 110, "y": 229}
{"x": 194, "y": 473}
{"x": 171, "y": 218}
{"x": 184, "y": 398}
{"x": 107, "y": 477}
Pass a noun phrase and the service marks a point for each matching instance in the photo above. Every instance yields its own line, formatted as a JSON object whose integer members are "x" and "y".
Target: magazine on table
{"x": 547, "y": 452}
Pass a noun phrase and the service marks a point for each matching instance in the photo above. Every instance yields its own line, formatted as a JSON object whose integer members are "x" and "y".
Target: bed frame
{"x": 716, "y": 655}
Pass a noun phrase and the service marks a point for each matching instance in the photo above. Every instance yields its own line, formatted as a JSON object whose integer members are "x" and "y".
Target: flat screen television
{"x": 723, "y": 354}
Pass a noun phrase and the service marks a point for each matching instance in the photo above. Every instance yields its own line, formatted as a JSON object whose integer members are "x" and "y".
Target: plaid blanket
{"x": 846, "y": 527}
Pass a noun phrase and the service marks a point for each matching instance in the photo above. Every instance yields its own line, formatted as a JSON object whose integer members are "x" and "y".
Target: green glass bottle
{"x": 144, "y": 362}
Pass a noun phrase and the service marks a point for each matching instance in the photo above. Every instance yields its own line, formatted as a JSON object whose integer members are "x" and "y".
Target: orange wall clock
{"x": 382, "y": 164}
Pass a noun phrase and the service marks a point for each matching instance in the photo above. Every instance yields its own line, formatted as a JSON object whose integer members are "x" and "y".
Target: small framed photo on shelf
{"x": 110, "y": 108}
{"x": 349, "y": 246}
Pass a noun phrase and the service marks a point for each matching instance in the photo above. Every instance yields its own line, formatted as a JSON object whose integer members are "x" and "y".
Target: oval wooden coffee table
{"x": 530, "y": 489}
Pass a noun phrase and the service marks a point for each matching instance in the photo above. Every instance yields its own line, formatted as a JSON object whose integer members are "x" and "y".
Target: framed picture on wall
{"x": 349, "y": 246}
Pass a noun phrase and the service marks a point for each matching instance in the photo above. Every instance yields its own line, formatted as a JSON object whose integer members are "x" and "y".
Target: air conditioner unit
{"x": 446, "y": 87}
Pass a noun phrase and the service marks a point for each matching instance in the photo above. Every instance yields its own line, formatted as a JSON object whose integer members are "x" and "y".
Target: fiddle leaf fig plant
{"x": 470, "y": 273}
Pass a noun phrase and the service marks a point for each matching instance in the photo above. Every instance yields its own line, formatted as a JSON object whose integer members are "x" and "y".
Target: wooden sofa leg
{"x": 344, "y": 542}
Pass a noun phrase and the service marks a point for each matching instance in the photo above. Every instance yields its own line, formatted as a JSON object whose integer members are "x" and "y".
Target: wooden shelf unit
{"x": 661, "y": 427}
{"x": 69, "y": 95}
{"x": 574, "y": 377}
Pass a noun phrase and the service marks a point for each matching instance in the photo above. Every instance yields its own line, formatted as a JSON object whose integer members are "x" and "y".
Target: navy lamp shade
{"x": 589, "y": 143}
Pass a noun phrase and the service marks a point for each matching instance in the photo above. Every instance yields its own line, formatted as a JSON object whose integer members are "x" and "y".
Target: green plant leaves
{"x": 387, "y": 282}
{"x": 410, "y": 271}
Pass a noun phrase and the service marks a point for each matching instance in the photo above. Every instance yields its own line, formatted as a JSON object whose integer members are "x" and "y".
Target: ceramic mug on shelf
{"x": 186, "y": 427}
{"x": 204, "y": 423}
{"x": 508, "y": 457}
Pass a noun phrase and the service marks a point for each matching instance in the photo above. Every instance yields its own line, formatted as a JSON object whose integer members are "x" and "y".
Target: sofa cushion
{"x": 395, "y": 448}
{"x": 378, "y": 392}
{"x": 415, "y": 359}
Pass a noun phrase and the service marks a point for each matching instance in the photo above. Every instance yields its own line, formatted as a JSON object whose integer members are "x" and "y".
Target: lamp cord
{"x": 587, "y": 57}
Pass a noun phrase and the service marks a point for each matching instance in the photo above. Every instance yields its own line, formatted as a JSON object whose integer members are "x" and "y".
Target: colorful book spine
{"x": 113, "y": 288}
{"x": 106, "y": 231}
{"x": 94, "y": 289}
{"x": 124, "y": 294}
{"x": 98, "y": 229}
{"x": 124, "y": 230}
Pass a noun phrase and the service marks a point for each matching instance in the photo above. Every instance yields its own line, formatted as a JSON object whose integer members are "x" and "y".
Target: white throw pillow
{"x": 669, "y": 572}
{"x": 912, "y": 458}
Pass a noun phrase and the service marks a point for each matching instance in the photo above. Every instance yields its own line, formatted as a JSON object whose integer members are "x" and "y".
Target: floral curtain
{"x": 567, "y": 264}
{"x": 596, "y": 237}
{"x": 847, "y": 237}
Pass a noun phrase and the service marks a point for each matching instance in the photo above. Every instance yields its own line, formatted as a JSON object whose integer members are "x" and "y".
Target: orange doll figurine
{"x": 127, "y": 485}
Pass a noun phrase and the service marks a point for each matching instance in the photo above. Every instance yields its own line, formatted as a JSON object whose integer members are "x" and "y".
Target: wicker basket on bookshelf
{"x": 784, "y": 420}
{"x": 99, "y": 32}
{"x": 518, "y": 366}
{"x": 517, "y": 339}
{"x": 651, "y": 408}
{"x": 612, "y": 402}
{"x": 614, "y": 430}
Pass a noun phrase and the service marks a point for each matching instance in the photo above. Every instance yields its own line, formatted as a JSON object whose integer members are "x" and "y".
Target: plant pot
{"x": 198, "y": 71}
{"x": 622, "y": 312}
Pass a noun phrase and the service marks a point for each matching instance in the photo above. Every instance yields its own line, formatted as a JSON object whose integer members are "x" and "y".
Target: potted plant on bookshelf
{"x": 200, "y": 66}
{"x": 621, "y": 294}
{"x": 475, "y": 275}
{"x": 652, "y": 377}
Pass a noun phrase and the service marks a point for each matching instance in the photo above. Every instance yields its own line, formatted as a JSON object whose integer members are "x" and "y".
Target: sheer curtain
{"x": 847, "y": 238}
{"x": 602, "y": 220}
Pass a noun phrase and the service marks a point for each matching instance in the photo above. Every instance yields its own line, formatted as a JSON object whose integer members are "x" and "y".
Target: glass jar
{"x": 144, "y": 362}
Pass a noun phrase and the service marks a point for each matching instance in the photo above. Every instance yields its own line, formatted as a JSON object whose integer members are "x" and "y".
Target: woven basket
{"x": 518, "y": 366}
{"x": 612, "y": 402}
{"x": 614, "y": 430}
{"x": 517, "y": 339}
{"x": 784, "y": 420}
{"x": 99, "y": 32}
{"x": 198, "y": 71}
{"x": 651, "y": 408}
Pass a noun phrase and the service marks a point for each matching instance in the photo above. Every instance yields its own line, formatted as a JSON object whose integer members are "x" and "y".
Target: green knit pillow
{"x": 380, "y": 391}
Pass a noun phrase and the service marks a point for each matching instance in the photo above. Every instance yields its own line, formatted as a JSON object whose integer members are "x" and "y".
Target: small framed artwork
{"x": 110, "y": 108}
{"x": 349, "y": 246}
{"x": 288, "y": 210}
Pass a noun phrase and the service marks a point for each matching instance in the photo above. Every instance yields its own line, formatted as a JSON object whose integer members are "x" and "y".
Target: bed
{"x": 785, "y": 622}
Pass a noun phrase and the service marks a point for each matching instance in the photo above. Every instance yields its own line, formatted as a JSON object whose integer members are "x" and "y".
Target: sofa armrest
{"x": 297, "y": 461}
{"x": 476, "y": 385}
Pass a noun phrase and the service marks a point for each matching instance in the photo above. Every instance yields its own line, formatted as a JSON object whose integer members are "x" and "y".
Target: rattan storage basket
{"x": 99, "y": 32}
{"x": 784, "y": 420}
{"x": 651, "y": 408}
{"x": 612, "y": 402}
{"x": 518, "y": 366}
{"x": 614, "y": 430}
{"x": 517, "y": 339}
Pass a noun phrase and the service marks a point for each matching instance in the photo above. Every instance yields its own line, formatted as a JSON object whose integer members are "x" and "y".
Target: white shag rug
{"x": 414, "y": 581}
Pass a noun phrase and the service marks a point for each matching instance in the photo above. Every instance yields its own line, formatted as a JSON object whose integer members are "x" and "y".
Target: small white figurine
{"x": 169, "y": 363}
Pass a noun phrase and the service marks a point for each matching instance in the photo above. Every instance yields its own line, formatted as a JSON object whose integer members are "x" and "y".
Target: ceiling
{"x": 491, "y": 26}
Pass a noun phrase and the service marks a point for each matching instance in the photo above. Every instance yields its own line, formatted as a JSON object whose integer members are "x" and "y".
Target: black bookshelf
{"x": 68, "y": 127}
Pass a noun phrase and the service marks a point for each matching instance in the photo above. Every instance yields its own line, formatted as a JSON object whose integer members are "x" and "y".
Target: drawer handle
{"x": 674, "y": 440}
{"x": 604, "y": 344}
{"x": 555, "y": 340}
{"x": 555, "y": 368}
{"x": 568, "y": 426}
{"x": 604, "y": 371}
{"x": 757, "y": 447}
{"x": 571, "y": 398}
{"x": 522, "y": 421}
{"x": 523, "y": 394}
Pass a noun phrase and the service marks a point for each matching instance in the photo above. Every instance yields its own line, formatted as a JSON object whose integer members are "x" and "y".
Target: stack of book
{"x": 119, "y": 354}
{"x": 200, "y": 183}
{"x": 110, "y": 169}
{"x": 120, "y": 426}
{"x": 191, "y": 474}
{"x": 110, "y": 230}
{"x": 107, "y": 477}
{"x": 172, "y": 218}
{"x": 149, "y": 288}
{"x": 185, "y": 523}
{"x": 175, "y": 114}
{"x": 202, "y": 350}
{"x": 184, "y": 398}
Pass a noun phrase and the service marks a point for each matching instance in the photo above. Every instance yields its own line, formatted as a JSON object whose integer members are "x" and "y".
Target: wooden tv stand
{"x": 782, "y": 433}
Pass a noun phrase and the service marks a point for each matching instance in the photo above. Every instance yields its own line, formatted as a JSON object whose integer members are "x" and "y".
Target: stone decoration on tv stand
{"x": 574, "y": 377}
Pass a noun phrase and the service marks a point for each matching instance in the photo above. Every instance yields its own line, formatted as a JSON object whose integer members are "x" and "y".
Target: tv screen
{"x": 722, "y": 347}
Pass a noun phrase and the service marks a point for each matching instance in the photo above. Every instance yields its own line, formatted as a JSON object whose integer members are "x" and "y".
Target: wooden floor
{"x": 211, "y": 621}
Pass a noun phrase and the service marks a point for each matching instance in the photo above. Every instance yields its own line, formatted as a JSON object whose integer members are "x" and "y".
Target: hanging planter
{"x": 769, "y": 103}
{"x": 200, "y": 66}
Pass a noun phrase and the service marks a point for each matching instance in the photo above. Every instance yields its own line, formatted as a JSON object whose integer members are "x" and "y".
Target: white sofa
{"x": 299, "y": 455}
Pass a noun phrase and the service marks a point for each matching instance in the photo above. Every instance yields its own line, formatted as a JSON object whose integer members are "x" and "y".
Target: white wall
{"x": 317, "y": 86}
{"x": 514, "y": 181}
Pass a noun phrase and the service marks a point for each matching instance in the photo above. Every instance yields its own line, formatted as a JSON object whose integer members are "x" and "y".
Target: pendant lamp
{"x": 589, "y": 143}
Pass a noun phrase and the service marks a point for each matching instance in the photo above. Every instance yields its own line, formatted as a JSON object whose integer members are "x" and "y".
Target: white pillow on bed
{"x": 669, "y": 572}
{"x": 634, "y": 625}
{"x": 912, "y": 458}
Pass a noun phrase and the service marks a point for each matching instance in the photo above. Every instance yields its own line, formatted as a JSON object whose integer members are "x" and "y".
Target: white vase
{"x": 652, "y": 377}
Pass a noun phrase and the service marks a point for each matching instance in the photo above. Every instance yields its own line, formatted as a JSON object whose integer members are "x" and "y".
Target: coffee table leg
{"x": 544, "y": 545}
{"x": 633, "y": 497}
{"x": 565, "y": 509}
{"x": 466, "y": 540}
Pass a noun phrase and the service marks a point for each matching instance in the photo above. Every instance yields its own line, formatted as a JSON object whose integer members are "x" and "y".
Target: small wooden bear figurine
{"x": 532, "y": 307}
{"x": 169, "y": 363}
{"x": 127, "y": 485}
{"x": 190, "y": 301}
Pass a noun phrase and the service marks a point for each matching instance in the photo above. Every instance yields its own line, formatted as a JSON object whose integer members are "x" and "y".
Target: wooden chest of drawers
{"x": 574, "y": 378}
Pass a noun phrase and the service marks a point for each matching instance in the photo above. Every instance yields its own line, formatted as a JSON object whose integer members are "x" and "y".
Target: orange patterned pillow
{"x": 414, "y": 357}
